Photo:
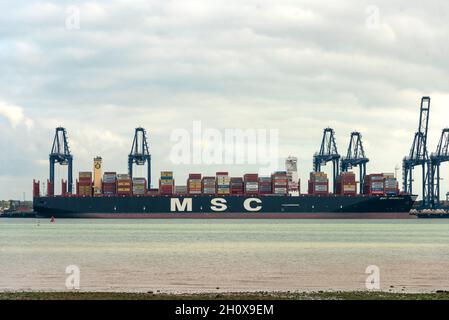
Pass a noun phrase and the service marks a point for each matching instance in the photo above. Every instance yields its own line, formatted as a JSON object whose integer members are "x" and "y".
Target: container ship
{"x": 227, "y": 207}
{"x": 112, "y": 195}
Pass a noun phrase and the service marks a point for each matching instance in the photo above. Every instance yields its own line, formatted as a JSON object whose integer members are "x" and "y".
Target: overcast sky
{"x": 295, "y": 66}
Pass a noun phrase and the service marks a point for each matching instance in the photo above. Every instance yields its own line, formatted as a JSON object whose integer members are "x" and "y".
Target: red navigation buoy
{"x": 52, "y": 219}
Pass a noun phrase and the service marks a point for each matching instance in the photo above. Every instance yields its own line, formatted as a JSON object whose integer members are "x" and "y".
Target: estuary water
{"x": 224, "y": 255}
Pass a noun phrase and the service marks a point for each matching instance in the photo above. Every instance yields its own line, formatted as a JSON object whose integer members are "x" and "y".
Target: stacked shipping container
{"x": 223, "y": 183}
{"x": 251, "y": 182}
{"x": 181, "y": 190}
{"x": 124, "y": 185}
{"x": 166, "y": 183}
{"x": 139, "y": 186}
{"x": 237, "y": 186}
{"x": 265, "y": 185}
{"x": 194, "y": 183}
{"x": 84, "y": 184}
{"x": 374, "y": 184}
{"x": 109, "y": 185}
{"x": 318, "y": 183}
{"x": 391, "y": 186}
{"x": 346, "y": 184}
{"x": 279, "y": 182}
{"x": 209, "y": 185}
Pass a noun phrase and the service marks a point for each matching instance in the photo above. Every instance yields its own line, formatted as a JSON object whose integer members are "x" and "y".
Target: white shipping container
{"x": 252, "y": 185}
{"x": 280, "y": 191}
{"x": 320, "y": 188}
{"x": 281, "y": 184}
{"x": 377, "y": 185}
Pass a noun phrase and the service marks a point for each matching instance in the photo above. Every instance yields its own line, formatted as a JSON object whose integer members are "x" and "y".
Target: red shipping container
{"x": 109, "y": 188}
{"x": 346, "y": 184}
{"x": 251, "y": 177}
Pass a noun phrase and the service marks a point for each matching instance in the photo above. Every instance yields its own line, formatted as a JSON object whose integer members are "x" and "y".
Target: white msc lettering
{"x": 249, "y": 201}
{"x": 218, "y": 204}
{"x": 176, "y": 205}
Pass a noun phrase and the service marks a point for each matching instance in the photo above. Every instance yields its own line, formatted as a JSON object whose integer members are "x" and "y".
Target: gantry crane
{"x": 60, "y": 153}
{"x": 140, "y": 154}
{"x": 419, "y": 157}
{"x": 328, "y": 152}
{"x": 440, "y": 156}
{"x": 355, "y": 157}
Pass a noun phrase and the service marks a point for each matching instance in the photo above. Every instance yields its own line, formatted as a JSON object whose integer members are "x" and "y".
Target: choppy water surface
{"x": 224, "y": 255}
